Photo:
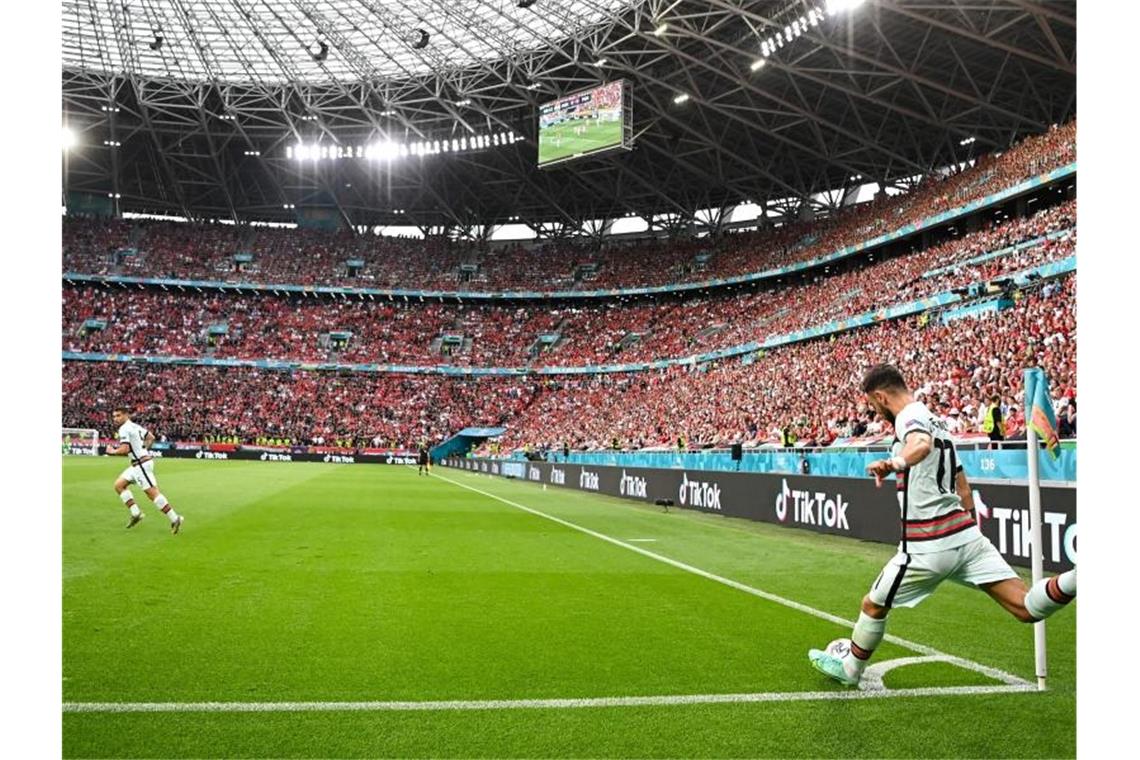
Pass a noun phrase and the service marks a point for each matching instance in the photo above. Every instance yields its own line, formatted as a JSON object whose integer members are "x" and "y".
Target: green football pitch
{"x": 311, "y": 610}
{"x": 559, "y": 141}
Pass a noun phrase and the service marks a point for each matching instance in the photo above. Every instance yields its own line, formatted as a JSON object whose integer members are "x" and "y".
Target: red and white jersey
{"x": 134, "y": 435}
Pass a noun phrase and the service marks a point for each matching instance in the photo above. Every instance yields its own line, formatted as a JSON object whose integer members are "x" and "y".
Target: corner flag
{"x": 1039, "y": 409}
{"x": 1040, "y": 422}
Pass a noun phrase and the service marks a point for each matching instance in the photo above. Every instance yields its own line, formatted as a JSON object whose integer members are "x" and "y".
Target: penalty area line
{"x": 961, "y": 662}
{"x": 535, "y": 704}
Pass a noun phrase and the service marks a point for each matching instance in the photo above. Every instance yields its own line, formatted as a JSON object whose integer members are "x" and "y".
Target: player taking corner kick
{"x": 940, "y": 535}
{"x": 134, "y": 442}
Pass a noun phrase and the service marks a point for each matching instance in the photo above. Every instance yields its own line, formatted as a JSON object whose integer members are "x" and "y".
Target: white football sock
{"x": 161, "y": 502}
{"x": 1068, "y": 582}
{"x": 1051, "y": 594}
{"x": 129, "y": 501}
{"x": 865, "y": 638}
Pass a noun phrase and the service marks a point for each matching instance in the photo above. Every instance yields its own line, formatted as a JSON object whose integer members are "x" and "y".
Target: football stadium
{"x": 569, "y": 378}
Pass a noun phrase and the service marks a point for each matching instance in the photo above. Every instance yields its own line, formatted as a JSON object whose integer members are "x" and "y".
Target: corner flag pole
{"x": 1036, "y": 550}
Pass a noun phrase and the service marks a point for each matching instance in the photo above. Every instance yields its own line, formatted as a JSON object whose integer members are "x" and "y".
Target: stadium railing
{"x": 1007, "y": 463}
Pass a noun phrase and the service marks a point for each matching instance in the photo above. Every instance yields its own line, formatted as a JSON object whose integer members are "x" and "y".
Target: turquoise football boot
{"x": 831, "y": 666}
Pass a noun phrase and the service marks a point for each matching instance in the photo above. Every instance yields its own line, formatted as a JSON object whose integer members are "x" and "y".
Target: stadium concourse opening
{"x": 590, "y": 257}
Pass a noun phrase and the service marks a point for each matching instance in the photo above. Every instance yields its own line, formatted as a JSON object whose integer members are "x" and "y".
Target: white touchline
{"x": 534, "y": 704}
{"x": 641, "y": 540}
{"x": 977, "y": 667}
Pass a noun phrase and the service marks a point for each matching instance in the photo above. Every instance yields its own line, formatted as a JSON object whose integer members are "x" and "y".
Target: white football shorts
{"x": 142, "y": 475}
{"x": 909, "y": 578}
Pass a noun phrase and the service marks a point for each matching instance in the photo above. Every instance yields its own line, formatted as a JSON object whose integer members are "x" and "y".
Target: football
{"x": 839, "y": 648}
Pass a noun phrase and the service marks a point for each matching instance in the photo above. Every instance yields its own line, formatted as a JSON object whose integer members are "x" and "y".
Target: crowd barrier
{"x": 1004, "y": 464}
{"x": 227, "y": 453}
{"x": 837, "y": 506}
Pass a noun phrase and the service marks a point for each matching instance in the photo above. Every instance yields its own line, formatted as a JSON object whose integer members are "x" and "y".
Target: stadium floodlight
{"x": 601, "y": 62}
{"x": 758, "y": 64}
{"x": 322, "y": 53}
{"x": 69, "y": 138}
{"x": 524, "y": 4}
{"x": 681, "y": 98}
{"x": 422, "y": 40}
{"x": 660, "y": 30}
{"x": 464, "y": 102}
{"x": 967, "y": 141}
{"x": 156, "y": 43}
{"x": 387, "y": 151}
{"x": 838, "y": 6}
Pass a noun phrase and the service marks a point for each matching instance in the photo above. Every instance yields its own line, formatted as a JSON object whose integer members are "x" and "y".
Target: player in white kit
{"x": 940, "y": 535}
{"x": 134, "y": 442}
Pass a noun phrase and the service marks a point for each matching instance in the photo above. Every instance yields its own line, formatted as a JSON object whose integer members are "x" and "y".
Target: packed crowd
{"x": 313, "y": 257}
{"x": 812, "y": 388}
{"x": 258, "y": 326}
{"x": 245, "y": 405}
{"x": 809, "y": 389}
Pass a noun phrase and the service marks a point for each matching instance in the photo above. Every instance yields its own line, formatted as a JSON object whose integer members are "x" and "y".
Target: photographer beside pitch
{"x": 134, "y": 440}
{"x": 940, "y": 535}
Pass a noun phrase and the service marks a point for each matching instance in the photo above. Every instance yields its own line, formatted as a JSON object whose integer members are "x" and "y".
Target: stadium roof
{"x": 272, "y": 42}
{"x": 190, "y": 107}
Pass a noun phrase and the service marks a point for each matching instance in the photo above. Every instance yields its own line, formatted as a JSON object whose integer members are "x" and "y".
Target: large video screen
{"x": 583, "y": 123}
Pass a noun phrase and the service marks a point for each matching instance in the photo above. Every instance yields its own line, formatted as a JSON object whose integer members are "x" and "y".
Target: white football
{"x": 839, "y": 648}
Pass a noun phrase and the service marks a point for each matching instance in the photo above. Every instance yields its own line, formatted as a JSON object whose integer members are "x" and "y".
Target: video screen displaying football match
{"x": 581, "y": 124}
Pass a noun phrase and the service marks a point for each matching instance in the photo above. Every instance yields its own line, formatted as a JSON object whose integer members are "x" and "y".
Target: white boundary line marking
{"x": 873, "y": 675}
{"x": 642, "y": 540}
{"x": 977, "y": 667}
{"x": 532, "y": 704}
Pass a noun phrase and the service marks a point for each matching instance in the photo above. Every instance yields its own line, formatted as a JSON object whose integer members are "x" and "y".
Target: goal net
{"x": 80, "y": 442}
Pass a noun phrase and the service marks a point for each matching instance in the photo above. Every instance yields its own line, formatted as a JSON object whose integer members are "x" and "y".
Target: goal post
{"x": 80, "y": 442}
